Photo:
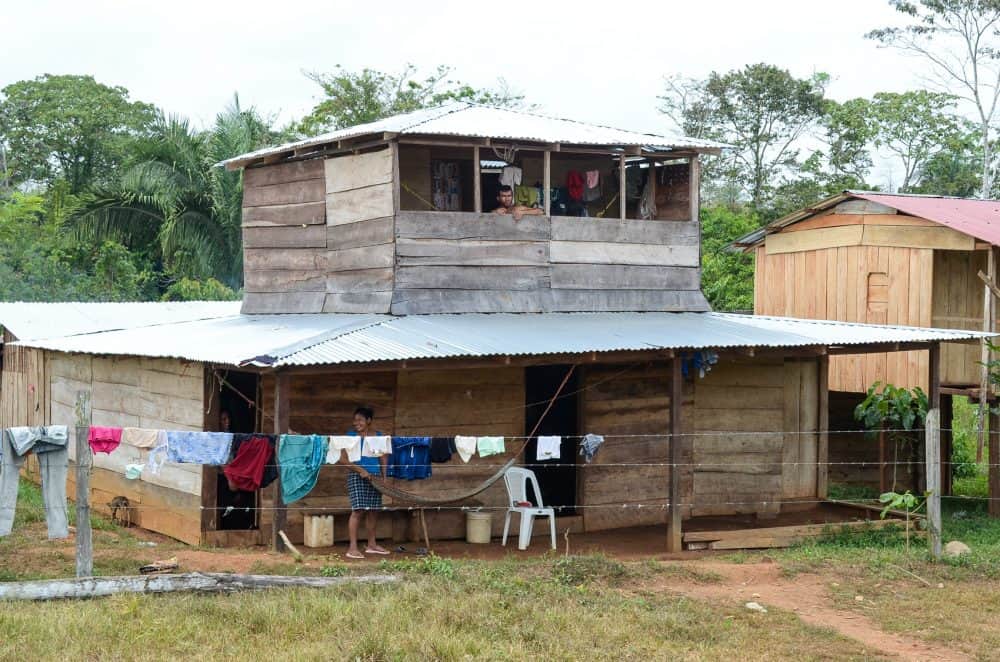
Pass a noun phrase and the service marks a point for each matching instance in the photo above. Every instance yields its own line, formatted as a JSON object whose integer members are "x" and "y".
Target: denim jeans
{"x": 49, "y": 444}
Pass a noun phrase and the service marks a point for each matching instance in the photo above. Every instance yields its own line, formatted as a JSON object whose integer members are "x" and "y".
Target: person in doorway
{"x": 225, "y": 422}
{"x": 365, "y": 499}
{"x": 506, "y": 200}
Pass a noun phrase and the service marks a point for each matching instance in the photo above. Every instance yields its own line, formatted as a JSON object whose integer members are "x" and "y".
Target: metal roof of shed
{"x": 333, "y": 339}
{"x": 463, "y": 119}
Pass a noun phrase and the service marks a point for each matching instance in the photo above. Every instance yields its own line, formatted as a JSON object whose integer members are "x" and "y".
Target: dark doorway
{"x": 556, "y": 478}
{"x": 238, "y": 398}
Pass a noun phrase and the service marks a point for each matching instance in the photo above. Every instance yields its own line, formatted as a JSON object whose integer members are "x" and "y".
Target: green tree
{"x": 69, "y": 127}
{"x": 187, "y": 289}
{"x": 955, "y": 169}
{"x": 761, "y": 110}
{"x": 357, "y": 97}
{"x": 726, "y": 276}
{"x": 961, "y": 41}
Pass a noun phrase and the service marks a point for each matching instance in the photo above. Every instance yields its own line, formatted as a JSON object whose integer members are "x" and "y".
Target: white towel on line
{"x": 466, "y": 447}
{"x": 376, "y": 446}
{"x": 338, "y": 443}
{"x": 548, "y": 448}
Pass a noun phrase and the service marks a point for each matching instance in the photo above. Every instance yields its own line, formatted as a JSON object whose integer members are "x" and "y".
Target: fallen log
{"x": 202, "y": 582}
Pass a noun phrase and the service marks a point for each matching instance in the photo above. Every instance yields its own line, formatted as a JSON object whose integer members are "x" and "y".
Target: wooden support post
{"x": 621, "y": 187}
{"x": 994, "y": 470}
{"x": 882, "y": 482}
{"x": 651, "y": 183}
{"x": 989, "y": 325}
{"x": 695, "y": 188}
{"x": 477, "y": 180}
{"x": 947, "y": 443}
{"x": 674, "y": 534}
{"x": 547, "y": 181}
{"x": 84, "y": 462}
{"x": 282, "y": 388}
{"x": 823, "y": 438}
{"x": 933, "y": 450}
{"x": 396, "y": 183}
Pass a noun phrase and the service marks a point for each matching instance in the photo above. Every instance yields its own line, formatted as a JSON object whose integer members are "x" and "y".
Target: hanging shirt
{"x": 376, "y": 446}
{"x": 368, "y": 462}
{"x": 141, "y": 438}
{"x": 299, "y": 458}
{"x": 344, "y": 442}
{"x": 104, "y": 440}
{"x": 526, "y": 196}
{"x": 510, "y": 176}
{"x": 490, "y": 446}
{"x": 548, "y": 448}
{"x": 251, "y": 455}
{"x": 410, "y": 458}
{"x": 592, "y": 192}
{"x": 210, "y": 448}
{"x": 442, "y": 449}
{"x": 466, "y": 447}
{"x": 40, "y": 439}
{"x": 589, "y": 446}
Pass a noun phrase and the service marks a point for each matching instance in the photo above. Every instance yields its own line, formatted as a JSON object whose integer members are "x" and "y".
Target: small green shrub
{"x": 579, "y": 570}
{"x": 427, "y": 565}
{"x": 333, "y": 571}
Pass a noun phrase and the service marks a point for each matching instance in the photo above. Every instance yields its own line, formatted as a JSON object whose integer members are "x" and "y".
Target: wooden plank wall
{"x": 22, "y": 386}
{"x": 957, "y": 303}
{"x": 440, "y": 402}
{"x": 833, "y": 283}
{"x": 153, "y": 393}
{"x": 318, "y": 235}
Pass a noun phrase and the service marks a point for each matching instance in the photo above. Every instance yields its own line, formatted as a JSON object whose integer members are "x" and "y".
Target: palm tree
{"x": 173, "y": 203}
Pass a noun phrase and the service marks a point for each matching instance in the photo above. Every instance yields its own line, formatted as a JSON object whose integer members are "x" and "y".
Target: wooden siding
{"x": 833, "y": 283}
{"x": 22, "y": 386}
{"x": 133, "y": 392}
{"x": 957, "y": 303}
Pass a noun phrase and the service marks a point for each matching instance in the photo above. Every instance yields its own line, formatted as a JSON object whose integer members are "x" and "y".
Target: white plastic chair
{"x": 516, "y": 480}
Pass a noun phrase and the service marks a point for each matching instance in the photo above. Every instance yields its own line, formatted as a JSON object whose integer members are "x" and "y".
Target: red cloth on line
{"x": 574, "y": 185}
{"x": 104, "y": 440}
{"x": 246, "y": 471}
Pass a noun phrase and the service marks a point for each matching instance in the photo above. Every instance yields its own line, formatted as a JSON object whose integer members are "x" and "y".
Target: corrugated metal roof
{"x": 976, "y": 218}
{"x": 330, "y": 339}
{"x": 478, "y": 121}
{"x": 33, "y": 321}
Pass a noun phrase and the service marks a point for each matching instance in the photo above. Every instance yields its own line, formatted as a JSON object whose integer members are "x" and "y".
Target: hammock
{"x": 385, "y": 488}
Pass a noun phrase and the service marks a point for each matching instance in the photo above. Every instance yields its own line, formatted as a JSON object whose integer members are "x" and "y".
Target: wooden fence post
{"x": 933, "y": 427}
{"x": 674, "y": 536}
{"x": 281, "y": 417}
{"x": 993, "y": 494}
{"x": 84, "y": 462}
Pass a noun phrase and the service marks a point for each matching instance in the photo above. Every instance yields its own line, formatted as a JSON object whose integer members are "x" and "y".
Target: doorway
{"x": 238, "y": 398}
{"x": 556, "y": 478}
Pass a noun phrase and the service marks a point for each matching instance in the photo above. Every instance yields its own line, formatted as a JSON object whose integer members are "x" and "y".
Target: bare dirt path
{"x": 805, "y": 595}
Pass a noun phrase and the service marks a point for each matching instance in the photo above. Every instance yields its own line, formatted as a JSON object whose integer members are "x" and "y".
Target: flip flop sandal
{"x": 401, "y": 549}
{"x": 421, "y": 551}
{"x": 355, "y": 556}
{"x": 380, "y": 552}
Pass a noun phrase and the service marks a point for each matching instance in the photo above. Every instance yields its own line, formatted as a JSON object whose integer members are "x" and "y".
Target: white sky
{"x": 594, "y": 61}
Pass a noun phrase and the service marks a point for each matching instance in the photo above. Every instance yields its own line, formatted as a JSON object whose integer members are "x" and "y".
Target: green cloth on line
{"x": 490, "y": 446}
{"x": 299, "y": 459}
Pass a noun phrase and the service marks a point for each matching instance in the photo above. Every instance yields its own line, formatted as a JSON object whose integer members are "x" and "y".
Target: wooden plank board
{"x": 671, "y": 233}
{"x": 357, "y": 302}
{"x": 593, "y": 252}
{"x": 363, "y": 233}
{"x": 367, "y": 257}
{"x": 628, "y": 300}
{"x": 285, "y": 281}
{"x": 282, "y": 302}
{"x": 623, "y": 277}
{"x": 309, "y": 190}
{"x": 472, "y": 278}
{"x": 305, "y": 213}
{"x": 310, "y": 236}
{"x": 359, "y": 204}
{"x": 466, "y": 225}
{"x": 289, "y": 258}
{"x": 939, "y": 238}
{"x": 353, "y": 171}
{"x": 808, "y": 240}
{"x": 282, "y": 173}
{"x": 447, "y": 252}
{"x": 360, "y": 280}
{"x": 423, "y": 302}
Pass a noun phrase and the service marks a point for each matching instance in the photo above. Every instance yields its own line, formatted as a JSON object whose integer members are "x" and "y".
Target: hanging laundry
{"x": 133, "y": 471}
{"x": 251, "y": 454}
{"x": 574, "y": 185}
{"x": 589, "y": 446}
{"x": 510, "y": 176}
{"x": 338, "y": 443}
{"x": 210, "y": 448}
{"x": 376, "y": 446}
{"x": 142, "y": 438}
{"x": 50, "y": 445}
{"x": 466, "y": 447}
{"x": 442, "y": 449}
{"x": 548, "y": 448}
{"x": 490, "y": 446}
{"x": 527, "y": 196}
{"x": 157, "y": 456}
{"x": 592, "y": 190}
{"x": 299, "y": 459}
{"x": 647, "y": 203}
{"x": 410, "y": 458}
{"x": 104, "y": 440}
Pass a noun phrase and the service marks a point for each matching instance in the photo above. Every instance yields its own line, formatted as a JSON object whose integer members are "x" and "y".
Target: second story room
{"x": 469, "y": 208}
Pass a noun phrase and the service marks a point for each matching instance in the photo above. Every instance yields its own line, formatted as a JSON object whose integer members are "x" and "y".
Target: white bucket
{"x": 478, "y": 527}
{"x": 318, "y": 530}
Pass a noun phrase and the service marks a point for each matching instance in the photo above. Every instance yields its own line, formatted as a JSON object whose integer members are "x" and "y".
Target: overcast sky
{"x": 594, "y": 61}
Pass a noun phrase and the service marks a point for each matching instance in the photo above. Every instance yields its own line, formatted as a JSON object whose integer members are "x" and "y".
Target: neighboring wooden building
{"x": 453, "y": 322}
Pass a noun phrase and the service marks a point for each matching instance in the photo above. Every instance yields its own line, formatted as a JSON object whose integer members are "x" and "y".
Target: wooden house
{"x": 462, "y": 321}
{"x": 877, "y": 258}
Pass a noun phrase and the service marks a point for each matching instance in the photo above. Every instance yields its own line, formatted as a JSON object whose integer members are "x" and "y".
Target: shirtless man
{"x": 506, "y": 199}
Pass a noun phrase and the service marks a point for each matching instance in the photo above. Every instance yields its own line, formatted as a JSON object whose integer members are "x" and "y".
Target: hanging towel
{"x": 410, "y": 458}
{"x": 442, "y": 449}
{"x": 574, "y": 185}
{"x": 251, "y": 455}
{"x": 133, "y": 471}
{"x": 490, "y": 446}
{"x": 104, "y": 440}
{"x": 344, "y": 442}
{"x": 510, "y": 176}
{"x": 140, "y": 438}
{"x": 158, "y": 455}
{"x": 376, "y": 446}
{"x": 299, "y": 458}
{"x": 466, "y": 447}
{"x": 210, "y": 448}
{"x": 589, "y": 446}
{"x": 592, "y": 192}
{"x": 548, "y": 448}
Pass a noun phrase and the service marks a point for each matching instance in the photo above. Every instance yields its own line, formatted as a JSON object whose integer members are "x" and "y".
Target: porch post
{"x": 621, "y": 187}
{"x": 695, "y": 188}
{"x": 933, "y": 450}
{"x": 84, "y": 462}
{"x": 281, "y": 415}
{"x": 674, "y": 535}
{"x": 547, "y": 182}
{"x": 823, "y": 438}
{"x": 477, "y": 181}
